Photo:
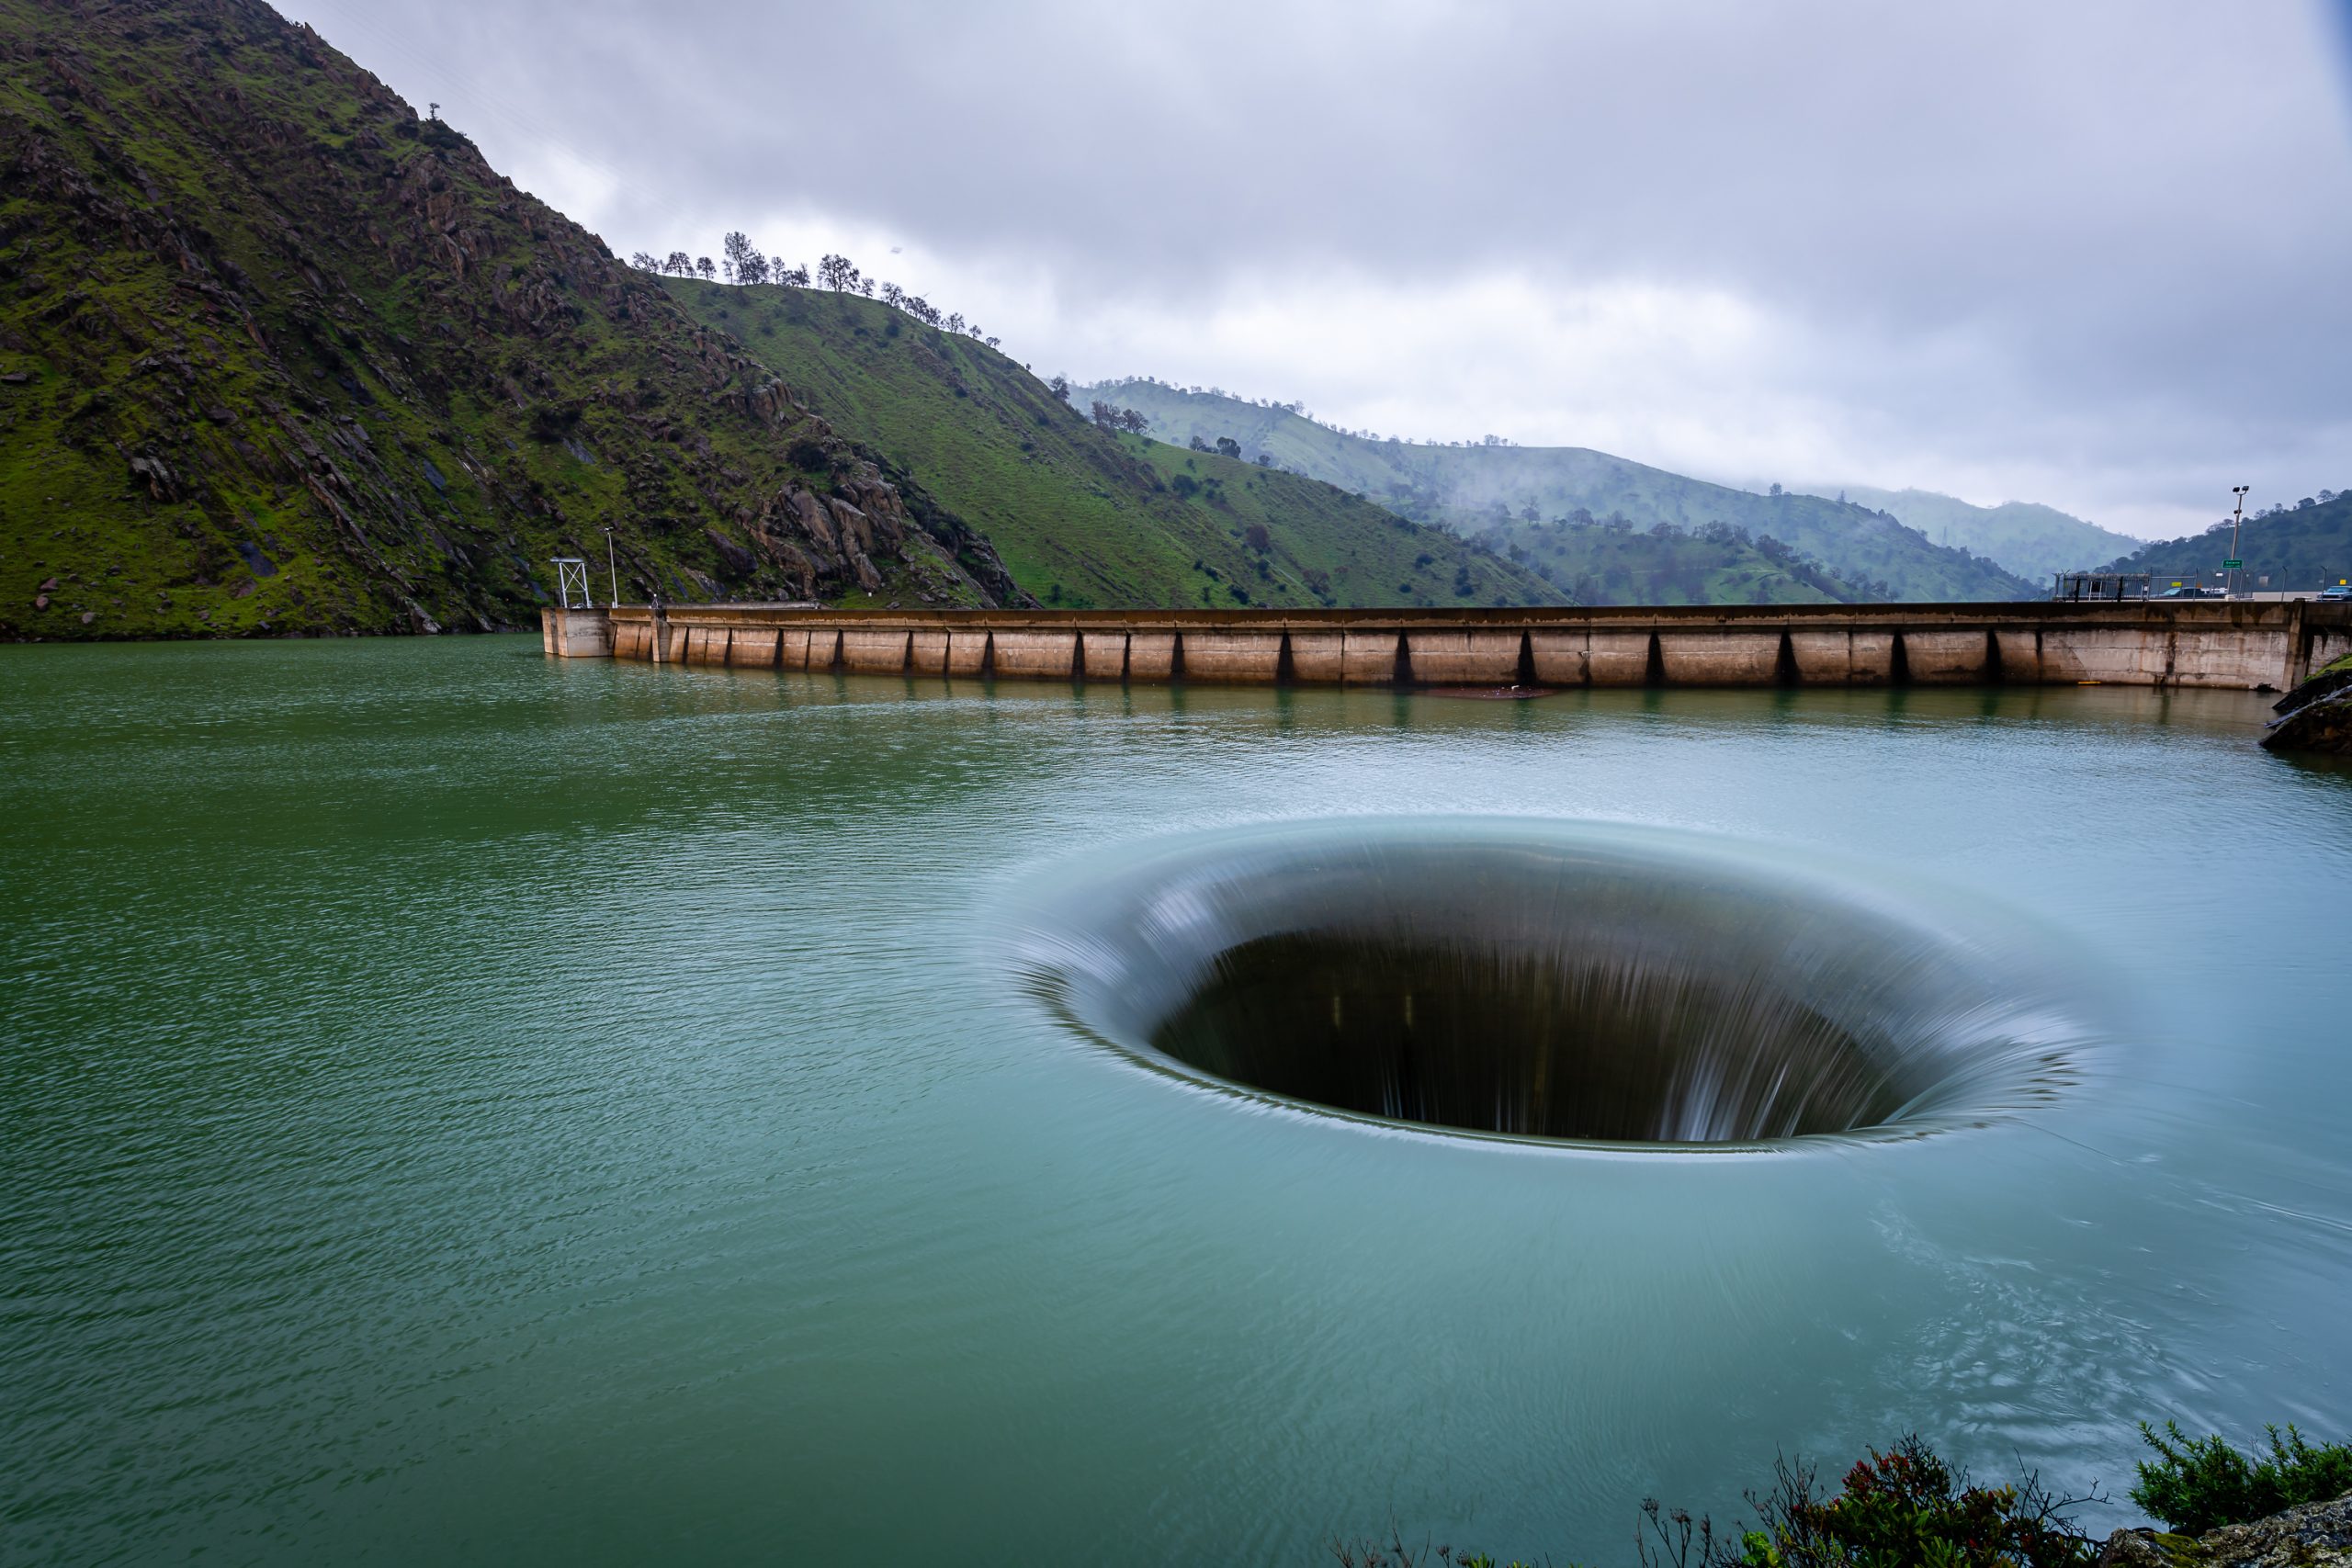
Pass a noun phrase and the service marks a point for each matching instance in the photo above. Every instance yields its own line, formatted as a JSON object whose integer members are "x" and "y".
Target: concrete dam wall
{"x": 2232, "y": 646}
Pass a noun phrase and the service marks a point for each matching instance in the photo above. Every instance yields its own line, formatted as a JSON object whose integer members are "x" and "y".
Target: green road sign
{"x": 2234, "y": 565}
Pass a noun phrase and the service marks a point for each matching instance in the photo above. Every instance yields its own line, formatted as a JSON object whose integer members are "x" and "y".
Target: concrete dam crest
{"x": 2227, "y": 646}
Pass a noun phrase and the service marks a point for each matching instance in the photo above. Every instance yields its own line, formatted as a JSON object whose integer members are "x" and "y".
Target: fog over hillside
{"x": 2087, "y": 255}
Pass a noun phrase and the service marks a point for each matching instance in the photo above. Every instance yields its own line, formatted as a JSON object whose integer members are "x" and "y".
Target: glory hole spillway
{"x": 1563, "y": 982}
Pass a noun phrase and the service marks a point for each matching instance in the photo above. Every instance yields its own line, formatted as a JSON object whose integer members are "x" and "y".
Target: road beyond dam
{"x": 2238, "y": 646}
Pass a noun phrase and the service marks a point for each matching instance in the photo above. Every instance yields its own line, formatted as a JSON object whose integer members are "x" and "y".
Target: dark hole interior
{"x": 1536, "y": 1041}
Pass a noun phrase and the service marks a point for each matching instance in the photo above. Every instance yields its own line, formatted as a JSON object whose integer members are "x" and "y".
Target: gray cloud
{"x": 2094, "y": 255}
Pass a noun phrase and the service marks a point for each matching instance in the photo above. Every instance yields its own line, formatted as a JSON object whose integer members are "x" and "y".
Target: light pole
{"x": 2236, "y": 523}
{"x": 612, "y": 564}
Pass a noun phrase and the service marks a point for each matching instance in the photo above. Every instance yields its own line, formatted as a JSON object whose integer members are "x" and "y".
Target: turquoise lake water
{"x": 459, "y": 1106}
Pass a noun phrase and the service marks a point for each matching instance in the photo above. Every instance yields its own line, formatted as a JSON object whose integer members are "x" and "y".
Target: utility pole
{"x": 2236, "y": 562}
{"x": 612, "y": 564}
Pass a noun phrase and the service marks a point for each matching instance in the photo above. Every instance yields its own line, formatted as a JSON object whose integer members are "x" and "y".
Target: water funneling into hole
{"x": 1552, "y": 980}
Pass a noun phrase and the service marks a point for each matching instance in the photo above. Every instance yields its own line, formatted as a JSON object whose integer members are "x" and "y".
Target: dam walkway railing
{"x": 2234, "y": 645}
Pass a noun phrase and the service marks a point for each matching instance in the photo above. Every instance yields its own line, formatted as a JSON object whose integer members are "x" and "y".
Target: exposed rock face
{"x": 2317, "y": 1535}
{"x": 2325, "y": 726}
{"x": 2317, "y": 716}
{"x": 257, "y": 310}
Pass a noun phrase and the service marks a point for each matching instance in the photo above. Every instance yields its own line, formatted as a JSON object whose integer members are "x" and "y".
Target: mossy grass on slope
{"x": 1082, "y": 517}
{"x": 1477, "y": 486}
{"x": 277, "y": 355}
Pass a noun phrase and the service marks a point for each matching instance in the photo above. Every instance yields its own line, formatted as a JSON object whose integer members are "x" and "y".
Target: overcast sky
{"x": 2096, "y": 253}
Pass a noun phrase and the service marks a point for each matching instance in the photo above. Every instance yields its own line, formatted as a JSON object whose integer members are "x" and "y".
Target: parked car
{"x": 2190, "y": 591}
{"x": 2340, "y": 592}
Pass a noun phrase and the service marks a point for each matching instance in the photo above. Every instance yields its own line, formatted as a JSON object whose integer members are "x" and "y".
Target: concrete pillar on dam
{"x": 875, "y": 653}
{"x": 1464, "y": 658}
{"x": 1233, "y": 658}
{"x": 753, "y": 648}
{"x": 1102, "y": 656}
{"x": 1372, "y": 659}
{"x": 1561, "y": 658}
{"x": 1036, "y": 655}
{"x": 1619, "y": 658}
{"x": 1151, "y": 655}
{"x": 1717, "y": 658}
{"x": 1319, "y": 659}
{"x": 968, "y": 653}
{"x": 1954, "y": 658}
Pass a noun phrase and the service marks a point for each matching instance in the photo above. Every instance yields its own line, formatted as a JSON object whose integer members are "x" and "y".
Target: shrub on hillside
{"x": 2202, "y": 1483}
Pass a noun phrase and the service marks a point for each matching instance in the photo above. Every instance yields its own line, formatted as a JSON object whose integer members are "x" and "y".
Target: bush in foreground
{"x": 1903, "y": 1508}
{"x": 2196, "y": 1484}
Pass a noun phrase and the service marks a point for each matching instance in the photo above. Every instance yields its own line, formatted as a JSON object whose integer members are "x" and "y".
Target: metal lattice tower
{"x": 571, "y": 575}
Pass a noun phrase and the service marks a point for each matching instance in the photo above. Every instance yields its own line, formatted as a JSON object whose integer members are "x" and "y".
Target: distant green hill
{"x": 1716, "y": 564}
{"x": 2309, "y": 546}
{"x": 1477, "y": 486}
{"x": 2024, "y": 537}
{"x": 1082, "y": 517}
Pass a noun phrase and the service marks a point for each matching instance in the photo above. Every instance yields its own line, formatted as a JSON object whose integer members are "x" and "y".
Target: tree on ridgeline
{"x": 1059, "y": 387}
{"x": 1197, "y": 444}
{"x": 1104, "y": 416}
{"x": 704, "y": 268}
{"x": 643, "y": 261}
{"x": 836, "y": 273}
{"x": 1134, "y": 420}
{"x": 745, "y": 261}
{"x": 893, "y": 295}
{"x": 991, "y": 341}
{"x": 677, "y": 262}
{"x": 955, "y": 321}
{"x": 1227, "y": 446}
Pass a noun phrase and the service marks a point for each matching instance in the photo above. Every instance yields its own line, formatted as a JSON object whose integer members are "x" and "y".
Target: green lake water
{"x": 460, "y": 1107}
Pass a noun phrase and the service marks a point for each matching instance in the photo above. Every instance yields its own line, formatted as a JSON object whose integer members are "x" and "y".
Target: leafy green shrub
{"x": 2197, "y": 1485}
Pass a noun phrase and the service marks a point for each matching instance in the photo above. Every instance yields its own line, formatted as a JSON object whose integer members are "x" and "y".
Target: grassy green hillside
{"x": 2024, "y": 537}
{"x": 1082, "y": 517}
{"x": 2309, "y": 546}
{"x": 278, "y": 355}
{"x": 1477, "y": 487}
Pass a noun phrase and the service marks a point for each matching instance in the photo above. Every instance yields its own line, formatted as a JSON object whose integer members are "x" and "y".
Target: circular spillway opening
{"x": 1583, "y": 983}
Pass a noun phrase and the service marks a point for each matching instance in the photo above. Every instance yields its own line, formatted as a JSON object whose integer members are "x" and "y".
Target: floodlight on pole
{"x": 2237, "y": 522}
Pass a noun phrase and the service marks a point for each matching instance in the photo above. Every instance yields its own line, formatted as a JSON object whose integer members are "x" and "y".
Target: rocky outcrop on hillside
{"x": 277, "y": 355}
{"x": 2317, "y": 1535}
{"x": 2316, "y": 715}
